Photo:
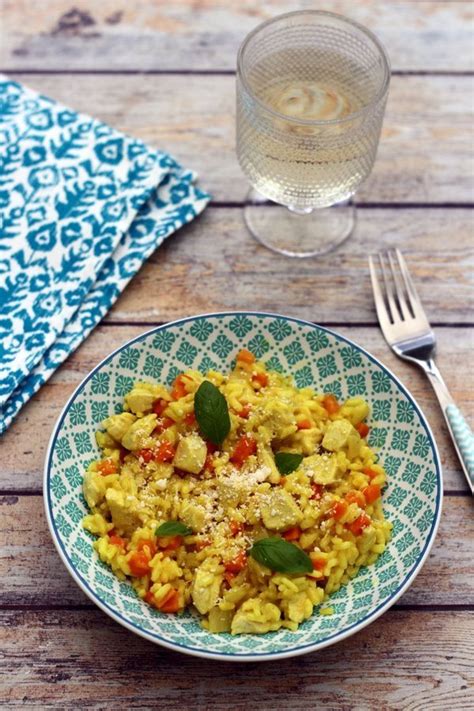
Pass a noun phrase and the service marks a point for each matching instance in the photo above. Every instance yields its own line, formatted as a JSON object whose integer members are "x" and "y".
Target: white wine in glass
{"x": 311, "y": 94}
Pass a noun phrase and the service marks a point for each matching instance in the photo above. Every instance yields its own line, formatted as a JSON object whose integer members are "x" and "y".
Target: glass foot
{"x": 298, "y": 234}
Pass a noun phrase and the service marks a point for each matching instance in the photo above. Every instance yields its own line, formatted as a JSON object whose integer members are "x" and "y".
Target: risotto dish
{"x": 237, "y": 495}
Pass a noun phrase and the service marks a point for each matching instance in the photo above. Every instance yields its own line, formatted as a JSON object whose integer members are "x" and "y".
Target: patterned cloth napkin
{"x": 82, "y": 206}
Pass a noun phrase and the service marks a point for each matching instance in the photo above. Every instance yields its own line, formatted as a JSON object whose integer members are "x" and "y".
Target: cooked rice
{"x": 228, "y": 507}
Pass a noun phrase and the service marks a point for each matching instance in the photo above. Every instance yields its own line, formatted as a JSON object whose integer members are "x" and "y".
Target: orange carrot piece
{"x": 170, "y": 602}
{"x": 245, "y": 356}
{"x": 179, "y": 387}
{"x": 318, "y": 563}
{"x": 146, "y": 455}
{"x": 355, "y": 497}
{"x": 236, "y": 527}
{"x": 292, "y": 534}
{"x": 330, "y": 404}
{"x": 139, "y": 564}
{"x": 245, "y": 411}
{"x": 363, "y": 429}
{"x": 108, "y": 466}
{"x": 190, "y": 419}
{"x": 370, "y": 472}
{"x": 372, "y": 493}
{"x": 245, "y": 447}
{"x": 338, "y": 510}
{"x": 163, "y": 425}
{"x": 117, "y": 540}
{"x": 304, "y": 425}
{"x": 357, "y": 526}
{"x": 261, "y": 379}
{"x": 237, "y": 564}
{"x": 159, "y": 406}
{"x": 165, "y": 452}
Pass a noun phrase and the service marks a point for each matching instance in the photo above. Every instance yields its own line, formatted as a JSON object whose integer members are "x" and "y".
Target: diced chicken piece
{"x": 94, "y": 488}
{"x": 191, "y": 454}
{"x": 355, "y": 409}
{"x": 141, "y": 397}
{"x": 306, "y": 441}
{"x": 266, "y": 459}
{"x": 193, "y": 515}
{"x": 337, "y": 435}
{"x": 340, "y": 437}
{"x": 220, "y": 620}
{"x": 207, "y": 584}
{"x": 256, "y": 617}
{"x": 368, "y": 537}
{"x": 231, "y": 491}
{"x": 105, "y": 441}
{"x": 161, "y": 470}
{"x": 279, "y": 510}
{"x": 322, "y": 468}
{"x": 236, "y": 594}
{"x": 96, "y": 524}
{"x": 300, "y": 607}
{"x": 127, "y": 481}
{"x": 279, "y": 417}
{"x": 117, "y": 425}
{"x": 123, "y": 509}
{"x": 136, "y": 436}
{"x": 354, "y": 444}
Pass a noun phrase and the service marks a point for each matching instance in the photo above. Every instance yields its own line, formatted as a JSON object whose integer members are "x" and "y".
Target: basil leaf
{"x": 173, "y": 528}
{"x": 212, "y": 413}
{"x": 287, "y": 462}
{"x": 280, "y": 555}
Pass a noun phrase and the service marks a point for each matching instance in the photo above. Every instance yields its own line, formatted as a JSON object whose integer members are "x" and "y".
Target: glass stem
{"x": 301, "y": 210}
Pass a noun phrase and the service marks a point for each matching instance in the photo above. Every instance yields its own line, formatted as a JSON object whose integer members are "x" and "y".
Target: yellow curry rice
{"x": 158, "y": 468}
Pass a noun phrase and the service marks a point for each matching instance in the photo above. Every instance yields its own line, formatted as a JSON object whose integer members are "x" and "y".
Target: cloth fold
{"x": 82, "y": 206}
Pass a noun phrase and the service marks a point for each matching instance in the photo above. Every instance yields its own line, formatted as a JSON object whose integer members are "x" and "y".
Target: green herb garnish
{"x": 173, "y": 528}
{"x": 287, "y": 462}
{"x": 280, "y": 555}
{"x": 212, "y": 412}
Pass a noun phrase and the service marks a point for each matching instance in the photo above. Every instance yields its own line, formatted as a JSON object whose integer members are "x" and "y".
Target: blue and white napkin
{"x": 82, "y": 206}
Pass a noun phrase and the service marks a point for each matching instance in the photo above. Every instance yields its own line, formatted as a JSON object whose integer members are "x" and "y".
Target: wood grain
{"x": 76, "y": 659}
{"x": 58, "y": 651}
{"x": 23, "y": 446}
{"x": 214, "y": 265}
{"x": 424, "y": 155}
{"x": 205, "y": 34}
{"x": 33, "y": 574}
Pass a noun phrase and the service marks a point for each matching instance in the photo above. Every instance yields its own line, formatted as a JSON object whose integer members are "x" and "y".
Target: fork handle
{"x": 461, "y": 433}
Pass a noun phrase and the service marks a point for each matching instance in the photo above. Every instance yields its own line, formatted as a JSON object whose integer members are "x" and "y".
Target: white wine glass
{"x": 311, "y": 93}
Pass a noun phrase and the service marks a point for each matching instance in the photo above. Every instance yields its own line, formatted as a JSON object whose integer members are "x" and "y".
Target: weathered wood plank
{"x": 78, "y": 659}
{"x": 423, "y": 155}
{"x": 215, "y": 265}
{"x": 205, "y": 34}
{"x": 410, "y": 659}
{"x": 23, "y": 446}
{"x": 38, "y": 577}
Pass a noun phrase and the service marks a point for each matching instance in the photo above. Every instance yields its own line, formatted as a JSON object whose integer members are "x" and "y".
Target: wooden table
{"x": 164, "y": 71}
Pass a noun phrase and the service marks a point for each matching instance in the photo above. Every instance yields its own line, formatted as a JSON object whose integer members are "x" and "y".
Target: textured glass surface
{"x": 311, "y": 94}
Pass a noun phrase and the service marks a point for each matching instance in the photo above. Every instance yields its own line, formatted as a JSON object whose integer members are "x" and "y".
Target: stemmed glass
{"x": 311, "y": 93}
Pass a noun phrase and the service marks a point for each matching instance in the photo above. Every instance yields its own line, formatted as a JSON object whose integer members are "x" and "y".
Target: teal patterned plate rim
{"x": 412, "y": 500}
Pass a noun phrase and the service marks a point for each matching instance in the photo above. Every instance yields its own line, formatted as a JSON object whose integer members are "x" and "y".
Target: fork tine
{"x": 392, "y": 308}
{"x": 413, "y": 298}
{"x": 382, "y": 313}
{"x": 399, "y": 290}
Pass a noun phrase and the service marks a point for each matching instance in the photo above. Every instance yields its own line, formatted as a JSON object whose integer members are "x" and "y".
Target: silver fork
{"x": 407, "y": 331}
